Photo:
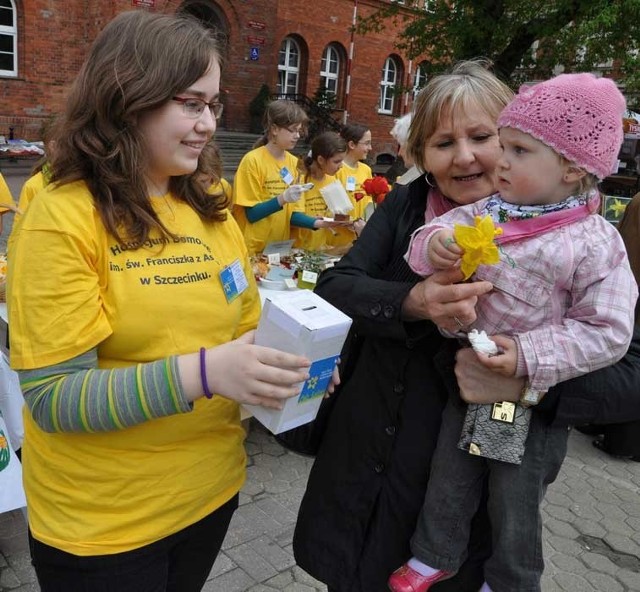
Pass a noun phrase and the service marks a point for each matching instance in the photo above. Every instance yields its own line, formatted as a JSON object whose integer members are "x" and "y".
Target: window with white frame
{"x": 288, "y": 67}
{"x": 387, "y": 86}
{"x": 330, "y": 70}
{"x": 8, "y": 39}
{"x": 420, "y": 79}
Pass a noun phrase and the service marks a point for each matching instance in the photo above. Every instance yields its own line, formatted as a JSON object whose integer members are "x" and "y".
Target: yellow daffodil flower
{"x": 617, "y": 207}
{"x": 477, "y": 243}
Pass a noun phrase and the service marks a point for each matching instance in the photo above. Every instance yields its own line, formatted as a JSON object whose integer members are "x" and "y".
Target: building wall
{"x": 55, "y": 36}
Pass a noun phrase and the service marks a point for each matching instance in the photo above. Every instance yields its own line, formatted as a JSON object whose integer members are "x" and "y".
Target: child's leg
{"x": 515, "y": 494}
{"x": 453, "y": 496}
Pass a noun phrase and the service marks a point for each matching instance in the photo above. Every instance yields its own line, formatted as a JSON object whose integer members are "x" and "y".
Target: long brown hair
{"x": 281, "y": 113}
{"x": 353, "y": 132}
{"x": 326, "y": 144}
{"x": 138, "y": 62}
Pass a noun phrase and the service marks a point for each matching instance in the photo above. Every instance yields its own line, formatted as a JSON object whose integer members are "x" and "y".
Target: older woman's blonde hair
{"x": 470, "y": 83}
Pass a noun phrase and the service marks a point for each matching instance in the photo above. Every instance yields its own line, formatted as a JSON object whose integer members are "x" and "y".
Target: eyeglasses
{"x": 194, "y": 108}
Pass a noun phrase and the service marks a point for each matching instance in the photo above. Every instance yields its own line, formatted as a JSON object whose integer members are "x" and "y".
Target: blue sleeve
{"x": 262, "y": 210}
{"x": 302, "y": 220}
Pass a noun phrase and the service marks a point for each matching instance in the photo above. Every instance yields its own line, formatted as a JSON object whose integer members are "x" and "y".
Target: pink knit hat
{"x": 578, "y": 115}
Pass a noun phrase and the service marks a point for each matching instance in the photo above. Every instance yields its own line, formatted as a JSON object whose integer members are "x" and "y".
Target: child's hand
{"x": 442, "y": 251}
{"x": 505, "y": 362}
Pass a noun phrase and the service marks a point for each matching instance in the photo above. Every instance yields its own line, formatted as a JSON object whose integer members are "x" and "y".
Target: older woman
{"x": 369, "y": 479}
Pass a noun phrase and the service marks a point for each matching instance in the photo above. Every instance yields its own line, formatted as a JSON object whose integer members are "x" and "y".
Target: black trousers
{"x": 180, "y": 562}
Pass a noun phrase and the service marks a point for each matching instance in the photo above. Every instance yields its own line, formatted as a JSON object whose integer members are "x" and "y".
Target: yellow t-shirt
{"x": 5, "y": 195}
{"x": 352, "y": 179}
{"x": 261, "y": 177}
{"x": 224, "y": 187}
{"x": 72, "y": 287}
{"x": 31, "y": 186}
{"x": 314, "y": 205}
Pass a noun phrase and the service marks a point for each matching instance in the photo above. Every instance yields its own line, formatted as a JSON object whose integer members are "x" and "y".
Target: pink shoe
{"x": 406, "y": 579}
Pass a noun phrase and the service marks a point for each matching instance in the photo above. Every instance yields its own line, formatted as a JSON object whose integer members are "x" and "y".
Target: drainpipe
{"x": 347, "y": 94}
{"x": 405, "y": 107}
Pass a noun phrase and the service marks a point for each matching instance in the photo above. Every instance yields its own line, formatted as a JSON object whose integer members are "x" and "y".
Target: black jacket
{"x": 368, "y": 482}
{"x": 608, "y": 395}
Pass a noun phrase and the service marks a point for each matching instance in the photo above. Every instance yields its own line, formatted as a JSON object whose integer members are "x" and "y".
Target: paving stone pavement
{"x": 591, "y": 526}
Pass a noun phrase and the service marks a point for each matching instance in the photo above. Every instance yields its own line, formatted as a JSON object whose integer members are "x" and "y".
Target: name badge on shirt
{"x": 234, "y": 282}
{"x": 286, "y": 176}
{"x": 351, "y": 184}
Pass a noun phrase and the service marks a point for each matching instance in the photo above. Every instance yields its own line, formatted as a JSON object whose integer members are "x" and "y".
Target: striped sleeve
{"x": 77, "y": 396}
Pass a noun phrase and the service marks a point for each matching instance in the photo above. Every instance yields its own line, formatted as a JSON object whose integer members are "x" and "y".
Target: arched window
{"x": 212, "y": 16}
{"x": 388, "y": 83}
{"x": 288, "y": 67}
{"x": 8, "y": 38}
{"x": 330, "y": 69}
{"x": 420, "y": 79}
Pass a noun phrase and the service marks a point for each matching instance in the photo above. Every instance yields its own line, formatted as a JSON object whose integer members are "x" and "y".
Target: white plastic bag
{"x": 11, "y": 492}
{"x": 336, "y": 198}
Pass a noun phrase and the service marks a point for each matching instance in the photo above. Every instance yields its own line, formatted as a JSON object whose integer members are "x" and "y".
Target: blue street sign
{"x": 254, "y": 53}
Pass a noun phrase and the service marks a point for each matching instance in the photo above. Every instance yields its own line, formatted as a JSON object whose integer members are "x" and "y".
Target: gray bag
{"x": 497, "y": 431}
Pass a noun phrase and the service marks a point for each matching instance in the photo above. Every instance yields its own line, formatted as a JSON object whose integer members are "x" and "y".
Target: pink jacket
{"x": 567, "y": 296}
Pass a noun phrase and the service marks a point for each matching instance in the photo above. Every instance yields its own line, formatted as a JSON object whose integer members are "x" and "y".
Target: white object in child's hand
{"x": 481, "y": 343}
{"x": 306, "y": 186}
{"x": 336, "y": 198}
{"x": 292, "y": 193}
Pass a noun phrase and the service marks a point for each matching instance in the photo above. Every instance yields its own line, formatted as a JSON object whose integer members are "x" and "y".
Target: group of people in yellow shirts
{"x": 277, "y": 196}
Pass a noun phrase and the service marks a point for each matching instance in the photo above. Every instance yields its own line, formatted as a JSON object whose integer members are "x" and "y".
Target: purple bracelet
{"x": 203, "y": 374}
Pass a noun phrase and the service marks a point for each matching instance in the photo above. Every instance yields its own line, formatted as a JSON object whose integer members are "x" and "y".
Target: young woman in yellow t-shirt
{"x": 319, "y": 167}
{"x": 268, "y": 198}
{"x": 354, "y": 173}
{"x": 131, "y": 304}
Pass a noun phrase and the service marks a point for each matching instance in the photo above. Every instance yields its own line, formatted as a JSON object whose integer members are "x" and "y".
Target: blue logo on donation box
{"x": 319, "y": 377}
{"x": 254, "y": 54}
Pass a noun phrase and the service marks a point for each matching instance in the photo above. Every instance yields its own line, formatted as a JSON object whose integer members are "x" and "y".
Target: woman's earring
{"x": 429, "y": 181}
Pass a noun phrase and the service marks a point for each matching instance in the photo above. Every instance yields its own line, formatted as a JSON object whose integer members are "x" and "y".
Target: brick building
{"x": 292, "y": 46}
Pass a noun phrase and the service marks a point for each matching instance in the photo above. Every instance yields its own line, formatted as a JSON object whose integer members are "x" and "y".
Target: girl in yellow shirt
{"x": 131, "y": 305}
{"x": 319, "y": 167}
{"x": 352, "y": 175}
{"x": 268, "y": 198}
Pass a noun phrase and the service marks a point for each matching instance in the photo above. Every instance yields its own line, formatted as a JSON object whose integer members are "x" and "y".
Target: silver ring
{"x": 460, "y": 324}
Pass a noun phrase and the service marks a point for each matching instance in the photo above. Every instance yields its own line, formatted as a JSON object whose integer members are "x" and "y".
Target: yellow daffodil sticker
{"x": 477, "y": 243}
{"x": 617, "y": 207}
